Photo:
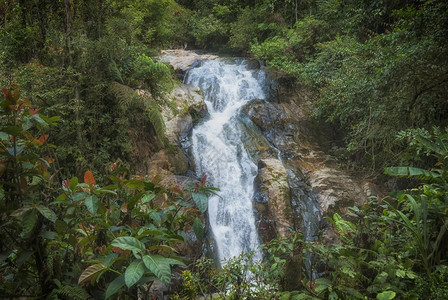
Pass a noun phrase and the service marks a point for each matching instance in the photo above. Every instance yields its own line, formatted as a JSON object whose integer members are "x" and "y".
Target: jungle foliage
{"x": 80, "y": 87}
{"x": 375, "y": 68}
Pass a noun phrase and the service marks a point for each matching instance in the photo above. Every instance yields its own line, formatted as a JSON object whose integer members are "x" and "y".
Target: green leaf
{"x": 110, "y": 259}
{"x": 91, "y": 273}
{"x": 47, "y": 213}
{"x": 92, "y": 203}
{"x": 115, "y": 286}
{"x": 40, "y": 121}
{"x": 201, "y": 201}
{"x": 387, "y": 295}
{"x": 198, "y": 229}
{"x": 173, "y": 261}
{"x": 73, "y": 183}
{"x": 12, "y": 130}
{"x": 129, "y": 243}
{"x": 134, "y": 272}
{"x": 79, "y": 196}
{"x": 29, "y": 220}
{"x": 49, "y": 235}
{"x": 159, "y": 266}
{"x": 60, "y": 226}
{"x": 135, "y": 184}
{"x": 4, "y": 136}
{"x": 147, "y": 198}
{"x": 412, "y": 172}
{"x": 155, "y": 216}
{"x": 322, "y": 284}
{"x": 400, "y": 273}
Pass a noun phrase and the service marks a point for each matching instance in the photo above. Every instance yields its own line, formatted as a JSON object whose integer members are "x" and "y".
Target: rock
{"x": 273, "y": 191}
{"x": 336, "y": 189}
{"x": 185, "y": 104}
{"x": 167, "y": 162}
{"x": 157, "y": 290}
{"x": 255, "y": 143}
{"x": 285, "y": 124}
{"x": 180, "y": 181}
{"x": 183, "y": 60}
{"x": 253, "y": 64}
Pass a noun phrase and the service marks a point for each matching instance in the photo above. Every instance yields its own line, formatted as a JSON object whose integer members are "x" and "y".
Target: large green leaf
{"x": 47, "y": 213}
{"x": 159, "y": 266}
{"x": 387, "y": 295}
{"x": 92, "y": 203}
{"x": 115, "y": 286}
{"x": 198, "y": 229}
{"x": 29, "y": 220}
{"x": 147, "y": 198}
{"x": 134, "y": 272}
{"x": 155, "y": 216}
{"x": 129, "y": 243}
{"x": 173, "y": 261}
{"x": 201, "y": 201}
{"x": 73, "y": 183}
{"x": 412, "y": 172}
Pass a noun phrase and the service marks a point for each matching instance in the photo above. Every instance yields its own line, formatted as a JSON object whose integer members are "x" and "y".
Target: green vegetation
{"x": 374, "y": 68}
{"x": 81, "y": 90}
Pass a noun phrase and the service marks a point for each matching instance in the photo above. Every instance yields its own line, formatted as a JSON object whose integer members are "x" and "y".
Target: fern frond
{"x": 115, "y": 72}
{"x": 124, "y": 94}
{"x": 73, "y": 292}
{"x": 156, "y": 120}
{"x": 127, "y": 95}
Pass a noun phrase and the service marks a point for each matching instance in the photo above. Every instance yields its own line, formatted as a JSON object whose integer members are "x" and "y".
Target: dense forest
{"x": 81, "y": 87}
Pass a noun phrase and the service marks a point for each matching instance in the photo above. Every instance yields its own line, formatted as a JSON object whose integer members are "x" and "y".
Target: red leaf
{"x": 33, "y": 111}
{"x": 42, "y": 139}
{"x": 13, "y": 95}
{"x": 88, "y": 178}
{"x": 203, "y": 180}
{"x": 117, "y": 250}
{"x": 6, "y": 93}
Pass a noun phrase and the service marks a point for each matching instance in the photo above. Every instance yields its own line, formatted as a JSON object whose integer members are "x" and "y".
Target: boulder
{"x": 184, "y": 105}
{"x": 273, "y": 195}
{"x": 183, "y": 60}
{"x": 167, "y": 162}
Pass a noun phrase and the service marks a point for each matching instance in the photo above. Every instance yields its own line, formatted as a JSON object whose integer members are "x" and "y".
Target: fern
{"x": 115, "y": 72}
{"x": 124, "y": 94}
{"x": 156, "y": 119}
{"x": 155, "y": 74}
{"x": 127, "y": 95}
{"x": 74, "y": 292}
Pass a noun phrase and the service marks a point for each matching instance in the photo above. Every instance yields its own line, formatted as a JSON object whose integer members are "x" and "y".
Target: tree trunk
{"x": 69, "y": 29}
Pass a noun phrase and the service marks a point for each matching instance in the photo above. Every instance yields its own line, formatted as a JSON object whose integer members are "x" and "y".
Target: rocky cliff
{"x": 298, "y": 182}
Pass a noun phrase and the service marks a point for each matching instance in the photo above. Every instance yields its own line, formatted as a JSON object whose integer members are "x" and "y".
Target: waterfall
{"x": 219, "y": 153}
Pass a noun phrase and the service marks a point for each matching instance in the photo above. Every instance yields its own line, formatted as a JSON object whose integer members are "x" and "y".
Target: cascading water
{"x": 219, "y": 153}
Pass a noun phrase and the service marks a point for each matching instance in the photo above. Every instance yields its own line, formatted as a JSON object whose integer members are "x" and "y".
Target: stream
{"x": 219, "y": 152}
{"x": 218, "y": 147}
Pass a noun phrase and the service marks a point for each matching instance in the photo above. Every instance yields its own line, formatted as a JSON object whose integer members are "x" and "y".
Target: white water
{"x": 219, "y": 153}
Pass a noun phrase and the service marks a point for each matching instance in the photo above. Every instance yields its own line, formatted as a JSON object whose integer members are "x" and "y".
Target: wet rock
{"x": 253, "y": 64}
{"x": 272, "y": 195}
{"x": 157, "y": 290}
{"x": 167, "y": 162}
{"x": 183, "y": 60}
{"x": 180, "y": 181}
{"x": 184, "y": 105}
{"x": 301, "y": 143}
{"x": 254, "y": 141}
{"x": 336, "y": 190}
